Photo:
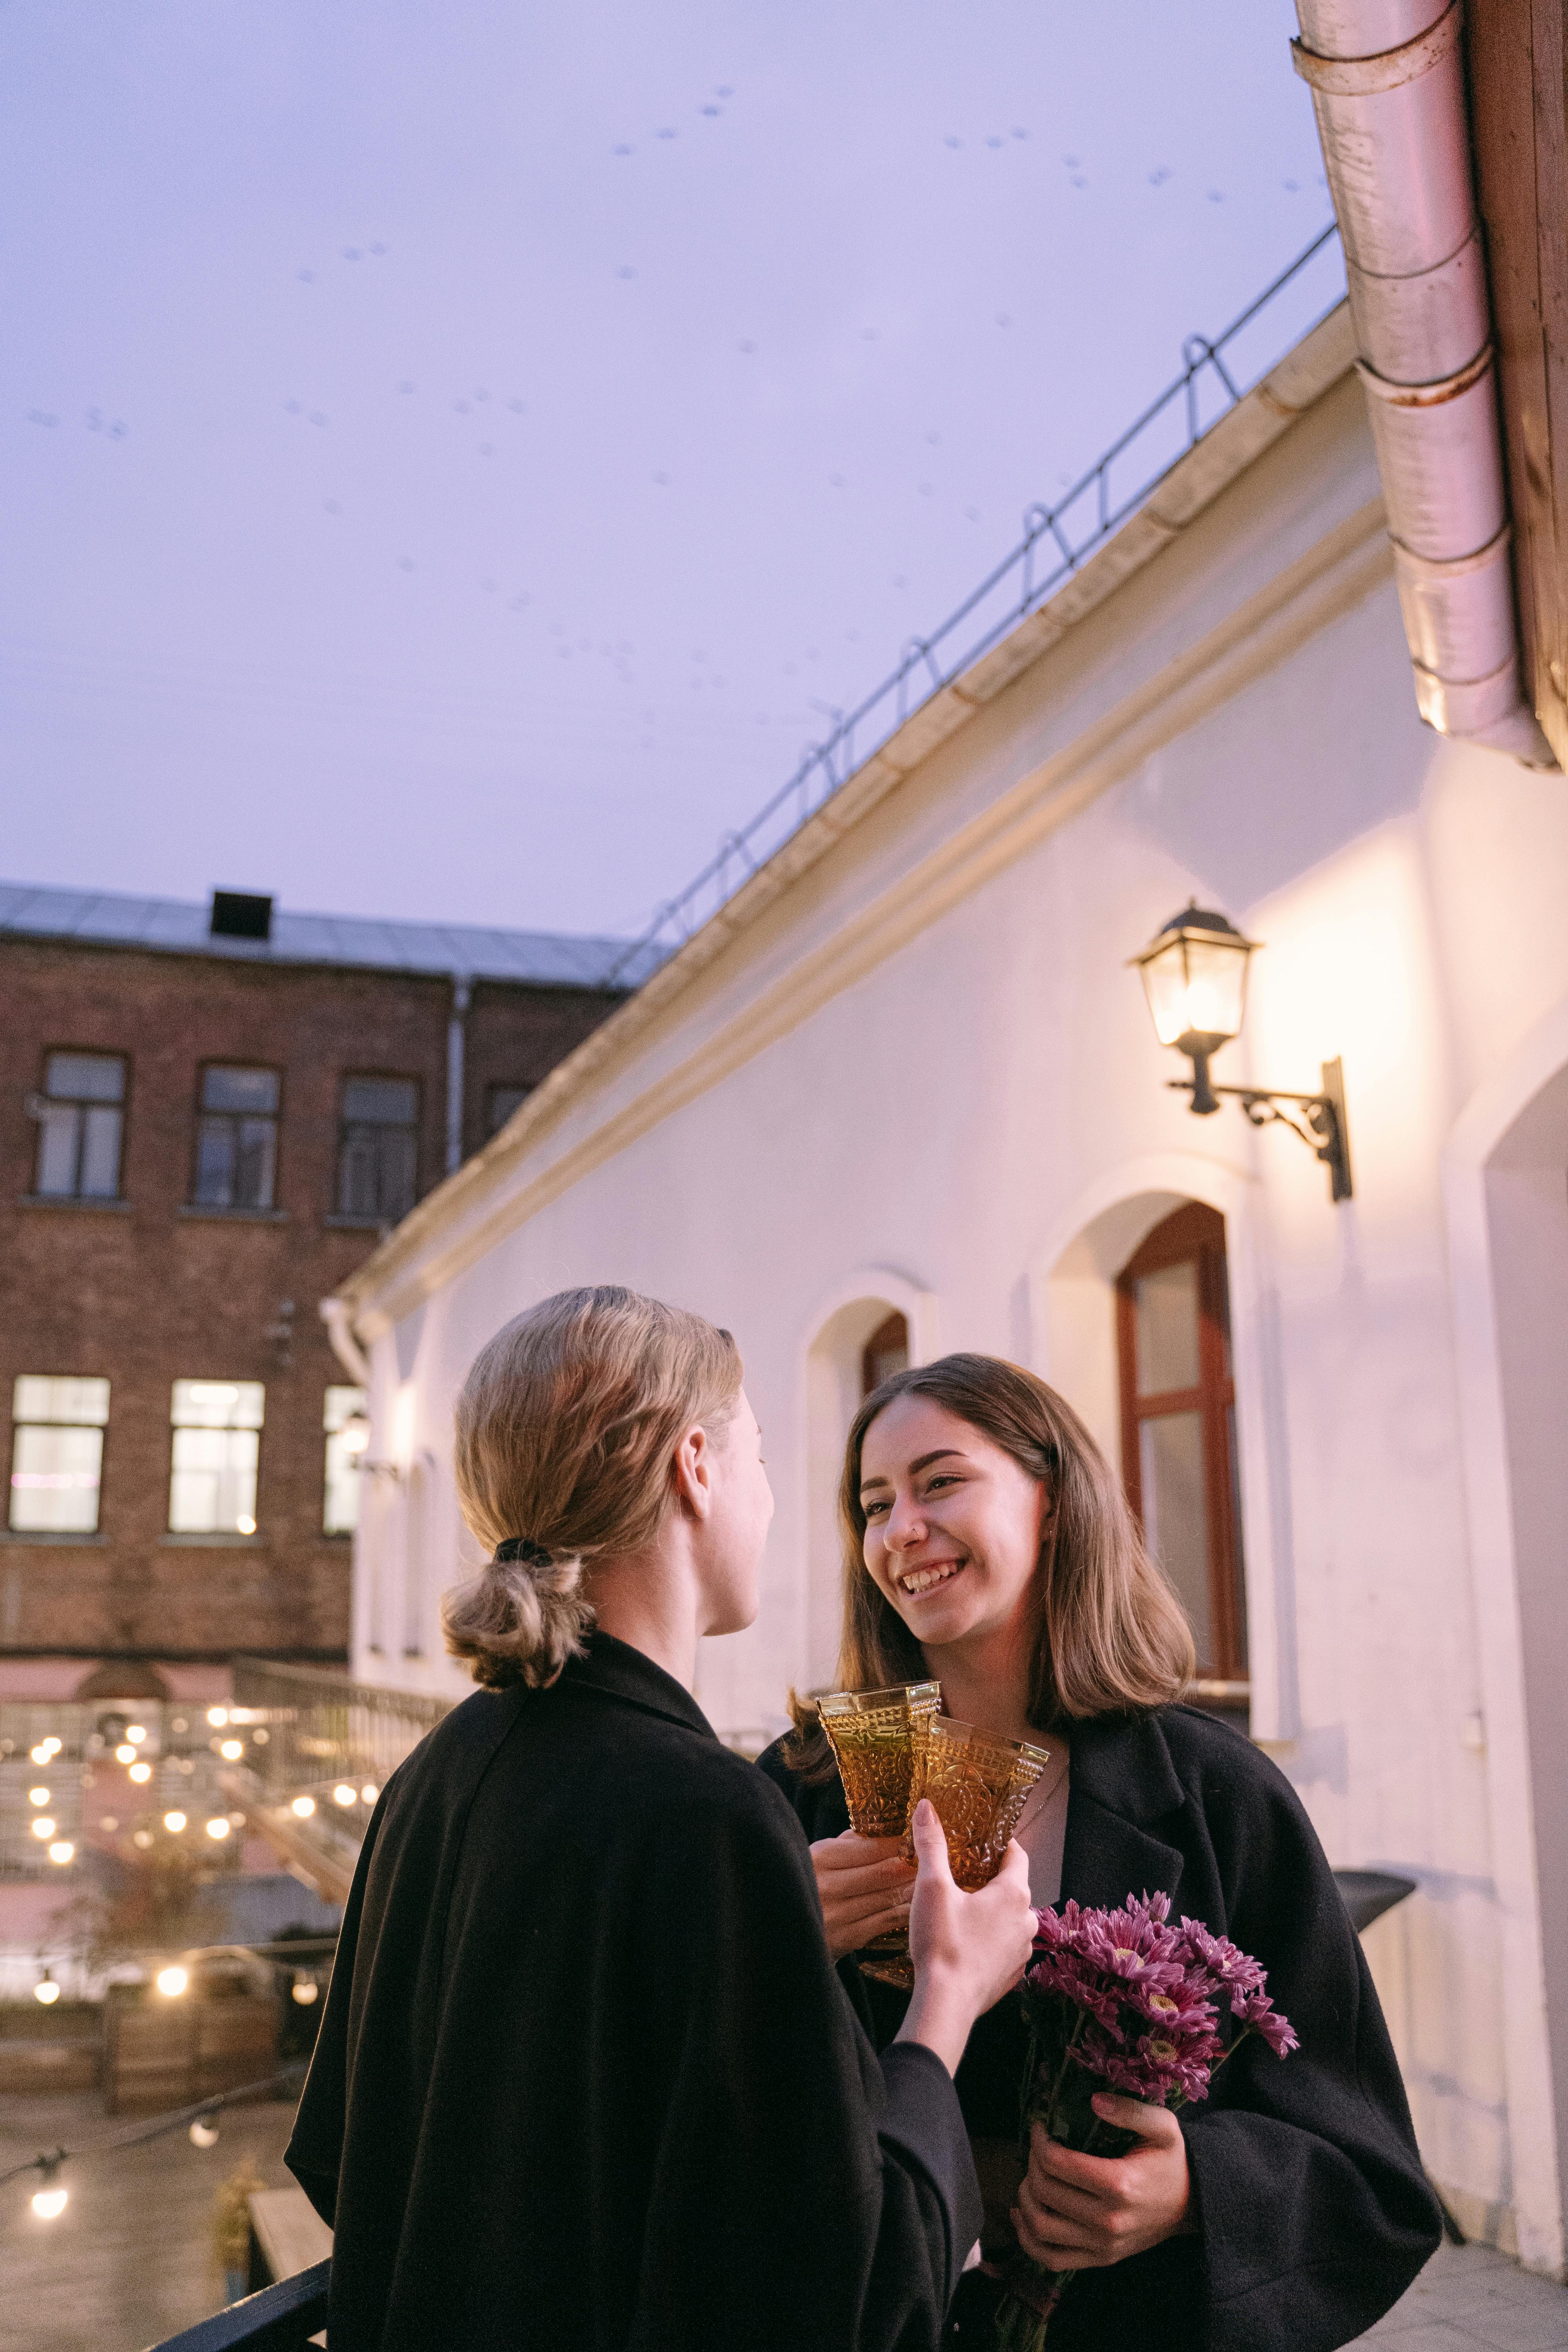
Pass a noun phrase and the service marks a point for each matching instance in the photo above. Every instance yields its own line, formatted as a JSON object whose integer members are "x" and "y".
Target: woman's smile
{"x": 927, "y": 1575}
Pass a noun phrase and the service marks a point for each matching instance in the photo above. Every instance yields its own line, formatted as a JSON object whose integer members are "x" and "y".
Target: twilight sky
{"x": 455, "y": 455}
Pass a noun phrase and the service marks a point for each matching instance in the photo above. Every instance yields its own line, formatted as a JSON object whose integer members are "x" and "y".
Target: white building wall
{"x": 926, "y": 1079}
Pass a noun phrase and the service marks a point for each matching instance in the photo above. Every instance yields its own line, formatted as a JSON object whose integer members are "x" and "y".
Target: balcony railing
{"x": 316, "y": 1750}
{"x": 281, "y": 2318}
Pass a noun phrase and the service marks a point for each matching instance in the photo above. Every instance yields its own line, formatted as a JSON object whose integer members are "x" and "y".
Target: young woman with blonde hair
{"x": 587, "y": 2078}
{"x": 988, "y": 1543}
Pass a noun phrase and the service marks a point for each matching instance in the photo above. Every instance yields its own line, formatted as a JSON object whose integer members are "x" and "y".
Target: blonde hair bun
{"x": 567, "y": 1426}
{"x": 521, "y": 1619}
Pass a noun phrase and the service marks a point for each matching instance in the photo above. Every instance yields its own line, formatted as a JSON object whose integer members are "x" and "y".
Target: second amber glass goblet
{"x": 979, "y": 1784}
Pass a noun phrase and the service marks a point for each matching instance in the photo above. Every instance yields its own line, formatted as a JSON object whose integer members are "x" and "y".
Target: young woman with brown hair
{"x": 587, "y": 2080}
{"x": 988, "y": 1544}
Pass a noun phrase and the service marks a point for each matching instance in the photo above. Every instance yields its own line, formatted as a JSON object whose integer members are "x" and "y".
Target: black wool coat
{"x": 587, "y": 2080}
{"x": 1313, "y": 2212}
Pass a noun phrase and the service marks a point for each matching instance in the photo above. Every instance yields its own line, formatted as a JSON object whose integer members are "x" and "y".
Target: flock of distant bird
{"x": 468, "y": 403}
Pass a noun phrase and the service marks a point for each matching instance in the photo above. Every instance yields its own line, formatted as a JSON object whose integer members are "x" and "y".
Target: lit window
{"x": 499, "y": 1105}
{"x": 56, "y": 1453}
{"x": 212, "y": 1485}
{"x": 237, "y": 1139}
{"x": 340, "y": 1501}
{"x": 79, "y": 1115}
{"x": 378, "y": 1147}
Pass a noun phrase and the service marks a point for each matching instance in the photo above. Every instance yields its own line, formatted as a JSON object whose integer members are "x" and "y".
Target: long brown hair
{"x": 566, "y": 1429}
{"x": 1111, "y": 1636}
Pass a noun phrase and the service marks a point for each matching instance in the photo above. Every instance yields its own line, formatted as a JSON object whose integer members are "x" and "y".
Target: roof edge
{"x": 1303, "y": 377}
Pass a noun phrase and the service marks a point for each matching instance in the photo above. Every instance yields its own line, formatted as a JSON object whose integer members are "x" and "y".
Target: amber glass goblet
{"x": 979, "y": 1784}
{"x": 877, "y": 1738}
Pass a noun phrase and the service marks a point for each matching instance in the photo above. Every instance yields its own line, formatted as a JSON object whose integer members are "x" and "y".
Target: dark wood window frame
{"x": 360, "y": 1132}
{"x": 892, "y": 1333}
{"x": 233, "y": 1119}
{"x": 43, "y": 1100}
{"x": 1193, "y": 1234}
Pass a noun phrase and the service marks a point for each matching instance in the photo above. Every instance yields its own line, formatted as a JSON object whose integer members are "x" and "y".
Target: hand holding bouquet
{"x": 1121, "y": 2000}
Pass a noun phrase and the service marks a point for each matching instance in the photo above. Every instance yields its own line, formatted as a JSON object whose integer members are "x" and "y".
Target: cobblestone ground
{"x": 129, "y": 2262}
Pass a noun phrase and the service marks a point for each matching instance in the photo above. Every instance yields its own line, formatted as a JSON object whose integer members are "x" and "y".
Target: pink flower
{"x": 1257, "y": 2014}
{"x": 1222, "y": 1962}
{"x": 1177, "y": 2008}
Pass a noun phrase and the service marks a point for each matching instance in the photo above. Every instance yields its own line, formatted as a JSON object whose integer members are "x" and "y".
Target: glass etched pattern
{"x": 979, "y": 1785}
{"x": 876, "y": 1738}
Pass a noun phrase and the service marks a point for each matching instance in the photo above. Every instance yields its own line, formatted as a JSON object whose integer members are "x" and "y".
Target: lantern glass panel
{"x": 1216, "y": 986}
{"x": 1197, "y": 985}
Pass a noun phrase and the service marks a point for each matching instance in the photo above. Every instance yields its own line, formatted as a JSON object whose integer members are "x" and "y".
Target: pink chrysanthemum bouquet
{"x": 1121, "y": 2000}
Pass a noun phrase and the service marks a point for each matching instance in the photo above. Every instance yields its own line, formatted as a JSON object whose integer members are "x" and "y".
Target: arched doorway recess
{"x": 1073, "y": 1344}
{"x": 876, "y": 1323}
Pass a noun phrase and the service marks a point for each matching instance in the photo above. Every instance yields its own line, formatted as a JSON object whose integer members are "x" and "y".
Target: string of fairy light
{"x": 51, "y": 2198}
{"x": 176, "y": 1978}
{"x": 138, "y": 1769}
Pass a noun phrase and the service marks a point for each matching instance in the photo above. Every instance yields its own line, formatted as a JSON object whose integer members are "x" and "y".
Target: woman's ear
{"x": 693, "y": 1472}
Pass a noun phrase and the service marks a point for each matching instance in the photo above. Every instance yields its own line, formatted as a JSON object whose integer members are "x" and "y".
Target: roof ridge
{"x": 129, "y": 919}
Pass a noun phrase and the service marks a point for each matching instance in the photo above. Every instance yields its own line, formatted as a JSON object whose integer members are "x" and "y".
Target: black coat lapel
{"x": 1106, "y": 1859}
{"x": 1123, "y": 1784}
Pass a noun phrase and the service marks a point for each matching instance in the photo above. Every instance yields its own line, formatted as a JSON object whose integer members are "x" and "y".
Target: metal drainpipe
{"x": 462, "y": 990}
{"x": 1387, "y": 84}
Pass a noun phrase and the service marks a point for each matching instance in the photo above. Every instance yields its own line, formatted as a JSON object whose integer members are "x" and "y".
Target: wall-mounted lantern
{"x": 1194, "y": 977}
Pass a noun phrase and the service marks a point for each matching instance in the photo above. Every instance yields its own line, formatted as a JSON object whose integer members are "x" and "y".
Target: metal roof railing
{"x": 1216, "y": 373}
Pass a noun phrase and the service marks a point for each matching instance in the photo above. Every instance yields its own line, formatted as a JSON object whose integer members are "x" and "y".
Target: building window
{"x": 378, "y": 1149}
{"x": 499, "y": 1104}
{"x": 1178, "y": 1430}
{"x": 343, "y": 1418}
{"x": 56, "y": 1453}
{"x": 80, "y": 1114}
{"x": 887, "y": 1351}
{"x": 236, "y": 1138}
{"x": 211, "y": 1482}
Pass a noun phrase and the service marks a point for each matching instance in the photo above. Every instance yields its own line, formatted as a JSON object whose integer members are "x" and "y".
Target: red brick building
{"x": 207, "y": 1117}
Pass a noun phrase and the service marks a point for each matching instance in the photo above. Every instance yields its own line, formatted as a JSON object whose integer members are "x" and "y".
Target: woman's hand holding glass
{"x": 968, "y": 1949}
{"x": 865, "y": 1886}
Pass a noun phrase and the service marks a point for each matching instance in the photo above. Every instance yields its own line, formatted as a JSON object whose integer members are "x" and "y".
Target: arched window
{"x": 1178, "y": 1432}
{"x": 852, "y": 1351}
{"x": 887, "y": 1351}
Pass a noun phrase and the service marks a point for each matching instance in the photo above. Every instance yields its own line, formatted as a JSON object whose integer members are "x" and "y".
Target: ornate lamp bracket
{"x": 1318, "y": 1119}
